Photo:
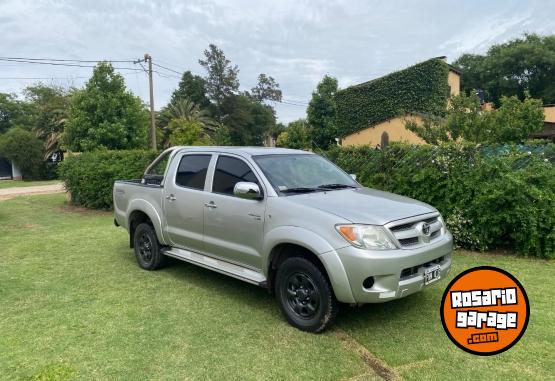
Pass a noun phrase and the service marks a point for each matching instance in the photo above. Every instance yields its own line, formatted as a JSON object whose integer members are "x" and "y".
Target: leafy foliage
{"x": 221, "y": 80}
{"x": 51, "y": 106}
{"x": 421, "y": 88}
{"x": 514, "y": 121}
{"x": 90, "y": 176}
{"x": 248, "y": 121}
{"x": 176, "y": 116}
{"x": 24, "y": 149}
{"x": 185, "y": 132}
{"x": 491, "y": 198}
{"x": 296, "y": 136}
{"x": 105, "y": 115}
{"x": 267, "y": 89}
{"x": 192, "y": 88}
{"x": 14, "y": 113}
{"x": 321, "y": 113}
{"x": 521, "y": 65}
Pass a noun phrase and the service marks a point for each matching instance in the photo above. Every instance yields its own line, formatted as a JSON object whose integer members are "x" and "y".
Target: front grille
{"x": 409, "y": 241}
{"x": 412, "y": 271}
{"x": 409, "y": 234}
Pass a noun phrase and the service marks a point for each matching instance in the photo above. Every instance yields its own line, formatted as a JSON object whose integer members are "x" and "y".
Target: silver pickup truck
{"x": 287, "y": 220}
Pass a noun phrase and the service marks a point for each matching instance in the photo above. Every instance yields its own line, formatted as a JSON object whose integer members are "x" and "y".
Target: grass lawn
{"x": 17, "y": 184}
{"x": 74, "y": 305}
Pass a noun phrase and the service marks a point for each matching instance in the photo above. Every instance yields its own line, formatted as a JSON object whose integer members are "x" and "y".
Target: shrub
{"x": 491, "y": 198}
{"x": 90, "y": 176}
{"x": 25, "y": 150}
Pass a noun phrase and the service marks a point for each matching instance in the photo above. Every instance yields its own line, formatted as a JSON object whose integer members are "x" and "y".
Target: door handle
{"x": 210, "y": 205}
{"x": 170, "y": 197}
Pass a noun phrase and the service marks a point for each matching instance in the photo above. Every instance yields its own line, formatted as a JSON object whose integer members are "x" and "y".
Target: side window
{"x": 191, "y": 172}
{"x": 229, "y": 171}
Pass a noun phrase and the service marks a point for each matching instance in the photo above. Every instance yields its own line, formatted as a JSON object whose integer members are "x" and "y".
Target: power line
{"x": 167, "y": 68}
{"x": 63, "y": 64}
{"x": 63, "y": 60}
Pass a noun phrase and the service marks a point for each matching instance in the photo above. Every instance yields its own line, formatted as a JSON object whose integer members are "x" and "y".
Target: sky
{"x": 296, "y": 42}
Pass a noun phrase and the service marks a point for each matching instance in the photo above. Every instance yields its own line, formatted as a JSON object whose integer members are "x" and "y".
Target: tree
{"x": 267, "y": 89}
{"x": 51, "y": 104}
{"x": 321, "y": 113}
{"x": 193, "y": 88}
{"x": 24, "y": 149}
{"x": 185, "y": 111}
{"x": 14, "y": 112}
{"x": 187, "y": 133}
{"x": 105, "y": 114}
{"x": 521, "y": 65}
{"x": 221, "y": 80}
{"x": 296, "y": 135}
{"x": 513, "y": 121}
{"x": 248, "y": 121}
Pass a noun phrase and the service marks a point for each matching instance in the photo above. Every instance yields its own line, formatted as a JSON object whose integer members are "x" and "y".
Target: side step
{"x": 220, "y": 266}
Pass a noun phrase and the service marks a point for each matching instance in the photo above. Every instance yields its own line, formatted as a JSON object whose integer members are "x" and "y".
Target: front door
{"x": 184, "y": 198}
{"x": 233, "y": 227}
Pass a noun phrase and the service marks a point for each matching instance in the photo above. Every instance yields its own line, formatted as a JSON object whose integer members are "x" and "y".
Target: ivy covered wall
{"x": 421, "y": 88}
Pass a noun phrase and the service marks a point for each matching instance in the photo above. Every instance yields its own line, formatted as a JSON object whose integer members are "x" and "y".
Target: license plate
{"x": 431, "y": 274}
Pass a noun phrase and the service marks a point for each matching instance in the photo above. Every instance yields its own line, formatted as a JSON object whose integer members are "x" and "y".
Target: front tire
{"x": 147, "y": 248}
{"x": 305, "y": 295}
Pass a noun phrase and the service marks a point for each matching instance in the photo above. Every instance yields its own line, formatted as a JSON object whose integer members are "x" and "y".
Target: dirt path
{"x": 8, "y": 193}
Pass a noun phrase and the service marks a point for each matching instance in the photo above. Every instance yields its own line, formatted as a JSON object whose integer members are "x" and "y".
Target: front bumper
{"x": 386, "y": 267}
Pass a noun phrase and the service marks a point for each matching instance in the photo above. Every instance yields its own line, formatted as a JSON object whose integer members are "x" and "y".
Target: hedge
{"x": 422, "y": 88}
{"x": 90, "y": 176}
{"x": 503, "y": 200}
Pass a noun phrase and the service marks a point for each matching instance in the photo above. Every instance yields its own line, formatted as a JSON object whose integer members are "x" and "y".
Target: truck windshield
{"x": 303, "y": 173}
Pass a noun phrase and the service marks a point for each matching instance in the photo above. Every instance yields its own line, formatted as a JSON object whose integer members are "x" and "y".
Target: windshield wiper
{"x": 335, "y": 186}
{"x": 301, "y": 190}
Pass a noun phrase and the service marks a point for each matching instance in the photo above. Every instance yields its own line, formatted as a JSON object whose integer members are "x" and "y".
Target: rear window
{"x": 191, "y": 172}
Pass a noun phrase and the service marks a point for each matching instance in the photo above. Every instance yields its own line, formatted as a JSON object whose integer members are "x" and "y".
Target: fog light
{"x": 368, "y": 282}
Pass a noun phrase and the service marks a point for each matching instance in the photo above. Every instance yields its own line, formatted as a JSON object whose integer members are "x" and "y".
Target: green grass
{"x": 18, "y": 184}
{"x": 74, "y": 305}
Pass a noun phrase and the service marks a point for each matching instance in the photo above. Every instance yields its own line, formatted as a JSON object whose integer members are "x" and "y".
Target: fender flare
{"x": 147, "y": 208}
{"x": 317, "y": 245}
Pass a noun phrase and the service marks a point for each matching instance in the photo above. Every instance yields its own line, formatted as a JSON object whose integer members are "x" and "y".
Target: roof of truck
{"x": 252, "y": 151}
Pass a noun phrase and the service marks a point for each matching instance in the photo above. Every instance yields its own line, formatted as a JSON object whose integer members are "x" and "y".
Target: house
{"x": 549, "y": 124}
{"x": 375, "y": 112}
{"x": 8, "y": 171}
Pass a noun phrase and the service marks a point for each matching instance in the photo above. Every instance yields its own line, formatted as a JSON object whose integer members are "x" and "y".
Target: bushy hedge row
{"x": 90, "y": 176}
{"x": 491, "y": 199}
{"x": 422, "y": 88}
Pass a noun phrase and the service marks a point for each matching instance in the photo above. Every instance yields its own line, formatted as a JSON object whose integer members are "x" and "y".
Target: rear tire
{"x": 305, "y": 295}
{"x": 147, "y": 248}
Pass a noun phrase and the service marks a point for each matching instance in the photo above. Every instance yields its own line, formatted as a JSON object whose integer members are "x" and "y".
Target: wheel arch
{"x": 291, "y": 241}
{"x": 142, "y": 211}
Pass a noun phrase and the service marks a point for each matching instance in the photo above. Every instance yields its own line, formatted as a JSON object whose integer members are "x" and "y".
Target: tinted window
{"x": 230, "y": 171}
{"x": 191, "y": 172}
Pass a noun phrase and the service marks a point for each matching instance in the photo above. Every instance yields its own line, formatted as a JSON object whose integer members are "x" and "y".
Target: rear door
{"x": 184, "y": 199}
{"x": 233, "y": 227}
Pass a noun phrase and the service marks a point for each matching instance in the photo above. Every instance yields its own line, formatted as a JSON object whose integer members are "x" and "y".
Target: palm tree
{"x": 187, "y": 111}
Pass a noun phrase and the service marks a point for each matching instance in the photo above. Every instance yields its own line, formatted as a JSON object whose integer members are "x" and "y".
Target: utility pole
{"x": 148, "y": 58}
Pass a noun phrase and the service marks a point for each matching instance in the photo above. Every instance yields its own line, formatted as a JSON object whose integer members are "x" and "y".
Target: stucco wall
{"x": 454, "y": 81}
{"x": 394, "y": 127}
{"x": 549, "y": 113}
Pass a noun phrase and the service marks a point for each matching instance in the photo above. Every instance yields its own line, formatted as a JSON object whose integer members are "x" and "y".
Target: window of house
{"x": 191, "y": 172}
{"x": 229, "y": 171}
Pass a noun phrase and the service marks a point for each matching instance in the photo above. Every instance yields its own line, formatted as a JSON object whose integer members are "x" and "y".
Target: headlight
{"x": 443, "y": 226}
{"x": 366, "y": 236}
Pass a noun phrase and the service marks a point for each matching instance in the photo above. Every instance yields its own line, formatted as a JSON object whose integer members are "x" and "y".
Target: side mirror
{"x": 248, "y": 191}
{"x": 353, "y": 176}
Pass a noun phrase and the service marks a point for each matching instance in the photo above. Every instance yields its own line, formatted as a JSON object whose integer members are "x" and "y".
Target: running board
{"x": 218, "y": 265}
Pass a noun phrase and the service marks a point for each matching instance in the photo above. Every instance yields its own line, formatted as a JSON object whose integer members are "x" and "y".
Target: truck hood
{"x": 363, "y": 205}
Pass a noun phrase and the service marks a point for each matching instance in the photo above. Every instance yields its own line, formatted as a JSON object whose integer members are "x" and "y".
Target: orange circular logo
{"x": 485, "y": 310}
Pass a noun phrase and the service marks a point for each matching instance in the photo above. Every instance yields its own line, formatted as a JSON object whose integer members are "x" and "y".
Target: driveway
{"x": 8, "y": 193}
